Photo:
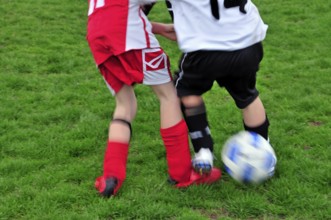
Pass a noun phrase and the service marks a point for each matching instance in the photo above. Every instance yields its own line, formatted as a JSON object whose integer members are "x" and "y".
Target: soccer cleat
{"x": 107, "y": 187}
{"x": 203, "y": 161}
{"x": 197, "y": 179}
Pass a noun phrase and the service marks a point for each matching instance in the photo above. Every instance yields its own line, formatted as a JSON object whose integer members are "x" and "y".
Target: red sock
{"x": 177, "y": 147}
{"x": 115, "y": 160}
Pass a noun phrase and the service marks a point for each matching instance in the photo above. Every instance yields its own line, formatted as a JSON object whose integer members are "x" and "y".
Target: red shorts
{"x": 147, "y": 66}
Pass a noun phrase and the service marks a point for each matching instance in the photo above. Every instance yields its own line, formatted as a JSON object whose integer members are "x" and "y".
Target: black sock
{"x": 197, "y": 123}
{"x": 261, "y": 129}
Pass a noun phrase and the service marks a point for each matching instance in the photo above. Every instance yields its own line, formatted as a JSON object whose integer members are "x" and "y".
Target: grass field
{"x": 55, "y": 110}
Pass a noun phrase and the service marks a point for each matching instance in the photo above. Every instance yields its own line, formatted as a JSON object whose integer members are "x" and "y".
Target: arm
{"x": 165, "y": 30}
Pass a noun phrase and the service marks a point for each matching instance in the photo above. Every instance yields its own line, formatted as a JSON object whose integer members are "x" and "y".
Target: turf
{"x": 55, "y": 110}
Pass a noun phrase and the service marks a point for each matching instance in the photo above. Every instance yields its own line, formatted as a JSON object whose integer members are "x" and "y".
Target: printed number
{"x": 235, "y": 3}
{"x": 95, "y": 4}
{"x": 214, "y": 9}
{"x": 227, "y": 4}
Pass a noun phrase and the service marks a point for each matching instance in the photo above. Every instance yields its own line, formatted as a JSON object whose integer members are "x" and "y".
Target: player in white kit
{"x": 126, "y": 53}
{"x": 220, "y": 41}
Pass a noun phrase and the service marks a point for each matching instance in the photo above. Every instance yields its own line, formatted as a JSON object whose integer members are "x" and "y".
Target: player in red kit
{"x": 127, "y": 53}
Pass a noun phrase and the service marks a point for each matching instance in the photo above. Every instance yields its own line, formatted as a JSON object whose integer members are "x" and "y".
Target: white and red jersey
{"x": 117, "y": 26}
{"x": 198, "y": 29}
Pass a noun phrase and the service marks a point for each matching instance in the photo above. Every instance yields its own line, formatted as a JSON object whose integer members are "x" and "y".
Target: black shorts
{"x": 233, "y": 70}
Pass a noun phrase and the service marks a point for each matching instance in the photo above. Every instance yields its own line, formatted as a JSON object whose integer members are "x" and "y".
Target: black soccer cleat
{"x": 107, "y": 187}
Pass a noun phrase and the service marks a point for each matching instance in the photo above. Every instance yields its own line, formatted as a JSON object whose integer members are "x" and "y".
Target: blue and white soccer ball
{"x": 249, "y": 158}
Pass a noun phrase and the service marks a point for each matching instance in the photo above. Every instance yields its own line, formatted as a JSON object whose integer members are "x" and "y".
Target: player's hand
{"x": 165, "y": 30}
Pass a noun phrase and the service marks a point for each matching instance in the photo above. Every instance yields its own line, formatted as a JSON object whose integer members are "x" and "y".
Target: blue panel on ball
{"x": 248, "y": 171}
{"x": 232, "y": 154}
{"x": 256, "y": 139}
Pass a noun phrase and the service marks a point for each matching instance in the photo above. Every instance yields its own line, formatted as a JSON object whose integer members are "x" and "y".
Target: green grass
{"x": 55, "y": 110}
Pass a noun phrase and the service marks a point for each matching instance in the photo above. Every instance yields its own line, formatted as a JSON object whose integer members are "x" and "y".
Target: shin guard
{"x": 196, "y": 120}
{"x": 115, "y": 160}
{"x": 178, "y": 154}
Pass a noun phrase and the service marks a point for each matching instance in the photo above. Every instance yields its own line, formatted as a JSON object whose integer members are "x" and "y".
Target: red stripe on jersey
{"x": 146, "y": 33}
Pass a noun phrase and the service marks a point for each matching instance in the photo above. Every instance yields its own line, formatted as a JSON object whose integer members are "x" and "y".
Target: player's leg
{"x": 253, "y": 111}
{"x": 191, "y": 84}
{"x": 173, "y": 127}
{"x": 125, "y": 111}
{"x": 242, "y": 88}
{"x": 254, "y": 114}
{"x": 195, "y": 114}
{"x": 115, "y": 158}
{"x": 175, "y": 137}
{"x": 255, "y": 118}
{"x": 174, "y": 133}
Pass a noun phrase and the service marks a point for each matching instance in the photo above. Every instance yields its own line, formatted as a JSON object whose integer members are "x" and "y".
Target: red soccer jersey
{"x": 117, "y": 26}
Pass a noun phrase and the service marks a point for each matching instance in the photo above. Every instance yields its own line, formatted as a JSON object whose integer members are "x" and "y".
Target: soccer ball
{"x": 249, "y": 158}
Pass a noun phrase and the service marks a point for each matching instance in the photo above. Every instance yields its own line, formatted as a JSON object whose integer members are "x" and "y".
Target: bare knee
{"x": 191, "y": 101}
{"x": 165, "y": 92}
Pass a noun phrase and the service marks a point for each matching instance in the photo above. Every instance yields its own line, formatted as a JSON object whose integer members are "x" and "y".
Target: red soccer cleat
{"x": 197, "y": 179}
{"x": 107, "y": 187}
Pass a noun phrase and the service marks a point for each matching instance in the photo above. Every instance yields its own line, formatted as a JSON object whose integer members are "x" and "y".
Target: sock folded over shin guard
{"x": 261, "y": 129}
{"x": 176, "y": 143}
{"x": 115, "y": 160}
